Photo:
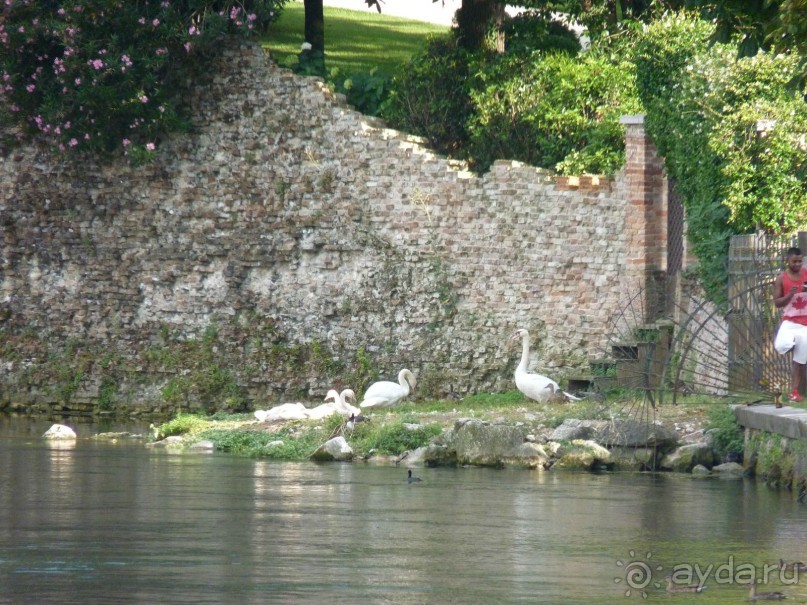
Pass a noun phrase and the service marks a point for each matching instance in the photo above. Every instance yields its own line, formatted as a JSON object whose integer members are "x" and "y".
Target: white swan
{"x": 340, "y": 401}
{"x": 284, "y": 411}
{"x": 386, "y": 394}
{"x": 534, "y": 386}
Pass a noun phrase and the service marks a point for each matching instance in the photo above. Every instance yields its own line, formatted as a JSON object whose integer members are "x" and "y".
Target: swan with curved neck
{"x": 340, "y": 401}
{"x": 386, "y": 394}
{"x": 534, "y": 386}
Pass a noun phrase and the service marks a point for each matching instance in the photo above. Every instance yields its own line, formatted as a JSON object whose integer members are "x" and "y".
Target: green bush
{"x": 430, "y": 97}
{"x": 104, "y": 76}
{"x": 530, "y": 31}
{"x": 553, "y": 111}
{"x": 364, "y": 91}
{"x": 183, "y": 423}
{"x": 392, "y": 438}
{"x": 727, "y": 434}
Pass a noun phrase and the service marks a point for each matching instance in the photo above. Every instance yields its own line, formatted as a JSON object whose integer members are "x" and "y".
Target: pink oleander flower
{"x": 77, "y": 81}
{"x": 73, "y": 142}
{"x": 30, "y": 88}
{"x": 126, "y": 142}
{"x": 150, "y": 146}
{"x": 155, "y": 22}
{"x": 144, "y": 99}
{"x": 96, "y": 64}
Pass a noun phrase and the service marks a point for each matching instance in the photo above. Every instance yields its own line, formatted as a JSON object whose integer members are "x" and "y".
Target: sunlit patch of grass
{"x": 183, "y": 424}
{"x": 355, "y": 41}
{"x": 294, "y": 441}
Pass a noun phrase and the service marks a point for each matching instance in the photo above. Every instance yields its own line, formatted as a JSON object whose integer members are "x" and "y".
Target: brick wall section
{"x": 287, "y": 217}
{"x": 646, "y": 207}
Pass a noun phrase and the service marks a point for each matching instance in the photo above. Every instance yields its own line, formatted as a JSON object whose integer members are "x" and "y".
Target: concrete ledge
{"x": 787, "y": 421}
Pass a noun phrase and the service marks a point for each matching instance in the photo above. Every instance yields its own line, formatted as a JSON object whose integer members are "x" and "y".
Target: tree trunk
{"x": 312, "y": 60}
{"x": 475, "y": 19}
{"x": 315, "y": 25}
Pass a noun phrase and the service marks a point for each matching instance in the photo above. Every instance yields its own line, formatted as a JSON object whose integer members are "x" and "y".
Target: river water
{"x": 123, "y": 523}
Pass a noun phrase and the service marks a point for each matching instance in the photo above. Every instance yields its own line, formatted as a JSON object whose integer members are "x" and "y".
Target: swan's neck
{"x": 403, "y": 379}
{"x": 525, "y": 355}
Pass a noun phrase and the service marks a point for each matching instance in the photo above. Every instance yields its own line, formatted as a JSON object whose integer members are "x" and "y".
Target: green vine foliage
{"x": 704, "y": 106}
{"x": 105, "y": 76}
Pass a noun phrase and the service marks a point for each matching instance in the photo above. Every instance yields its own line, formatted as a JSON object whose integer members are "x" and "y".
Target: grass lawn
{"x": 355, "y": 41}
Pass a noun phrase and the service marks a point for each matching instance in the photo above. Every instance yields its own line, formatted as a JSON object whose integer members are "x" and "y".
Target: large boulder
{"x": 440, "y": 454}
{"x": 633, "y": 458}
{"x": 336, "y": 449}
{"x": 529, "y": 455}
{"x": 482, "y": 444}
{"x": 632, "y": 433}
{"x": 573, "y": 428}
{"x": 617, "y": 432}
{"x": 59, "y": 432}
{"x": 729, "y": 470}
{"x": 683, "y": 459}
{"x": 582, "y": 454}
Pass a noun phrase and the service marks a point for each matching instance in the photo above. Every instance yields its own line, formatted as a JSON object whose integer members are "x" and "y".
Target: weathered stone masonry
{"x": 287, "y": 219}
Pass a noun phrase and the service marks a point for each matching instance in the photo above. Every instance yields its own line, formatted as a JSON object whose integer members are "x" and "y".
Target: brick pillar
{"x": 646, "y": 212}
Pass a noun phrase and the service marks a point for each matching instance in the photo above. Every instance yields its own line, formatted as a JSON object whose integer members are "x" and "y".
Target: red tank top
{"x": 796, "y": 309}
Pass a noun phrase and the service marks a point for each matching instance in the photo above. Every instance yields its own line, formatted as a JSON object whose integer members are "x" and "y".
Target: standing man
{"x": 789, "y": 294}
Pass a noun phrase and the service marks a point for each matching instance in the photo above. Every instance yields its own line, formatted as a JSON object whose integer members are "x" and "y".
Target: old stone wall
{"x": 289, "y": 244}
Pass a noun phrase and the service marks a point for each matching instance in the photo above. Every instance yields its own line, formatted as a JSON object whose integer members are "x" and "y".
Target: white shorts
{"x": 792, "y": 336}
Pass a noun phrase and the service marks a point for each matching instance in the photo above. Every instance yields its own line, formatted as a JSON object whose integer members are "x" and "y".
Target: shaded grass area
{"x": 355, "y": 41}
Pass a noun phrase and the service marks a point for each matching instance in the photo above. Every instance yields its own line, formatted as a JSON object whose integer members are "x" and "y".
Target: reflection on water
{"x": 110, "y": 523}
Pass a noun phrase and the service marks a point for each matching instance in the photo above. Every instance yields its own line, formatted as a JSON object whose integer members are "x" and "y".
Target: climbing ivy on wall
{"x": 704, "y": 107}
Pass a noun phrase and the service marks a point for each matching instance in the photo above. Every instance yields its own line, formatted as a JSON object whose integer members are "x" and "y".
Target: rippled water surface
{"x": 122, "y": 523}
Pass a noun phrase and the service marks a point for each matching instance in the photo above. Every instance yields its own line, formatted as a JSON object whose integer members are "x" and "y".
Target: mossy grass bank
{"x": 412, "y": 425}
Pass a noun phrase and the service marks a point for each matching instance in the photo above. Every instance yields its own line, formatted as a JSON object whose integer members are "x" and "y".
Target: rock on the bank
{"x": 334, "y": 449}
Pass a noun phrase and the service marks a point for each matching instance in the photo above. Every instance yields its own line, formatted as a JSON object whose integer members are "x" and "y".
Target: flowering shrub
{"x": 103, "y": 76}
